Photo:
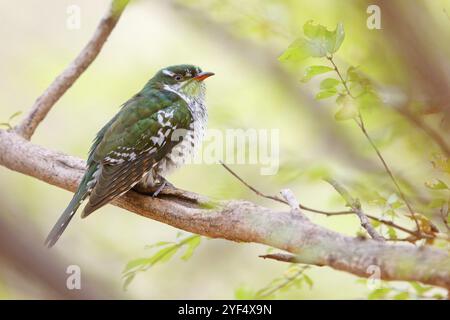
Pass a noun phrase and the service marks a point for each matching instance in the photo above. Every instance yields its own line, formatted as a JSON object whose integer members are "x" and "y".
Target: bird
{"x": 153, "y": 133}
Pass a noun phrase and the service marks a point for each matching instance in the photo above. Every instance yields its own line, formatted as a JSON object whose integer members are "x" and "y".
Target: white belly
{"x": 183, "y": 151}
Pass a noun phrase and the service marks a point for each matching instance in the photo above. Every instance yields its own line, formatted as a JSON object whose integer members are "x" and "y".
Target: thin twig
{"x": 360, "y": 122}
{"x": 326, "y": 213}
{"x": 257, "y": 192}
{"x": 344, "y": 82}
{"x": 356, "y": 206}
{"x": 388, "y": 170}
{"x": 285, "y": 257}
{"x": 73, "y": 71}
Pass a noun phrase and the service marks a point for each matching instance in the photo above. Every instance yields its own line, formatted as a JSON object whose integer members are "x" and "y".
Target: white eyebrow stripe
{"x": 168, "y": 73}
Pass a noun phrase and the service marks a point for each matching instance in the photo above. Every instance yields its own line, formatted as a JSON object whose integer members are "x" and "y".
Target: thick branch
{"x": 242, "y": 221}
{"x": 64, "y": 81}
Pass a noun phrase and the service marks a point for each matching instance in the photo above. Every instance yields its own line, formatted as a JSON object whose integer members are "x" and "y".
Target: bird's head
{"x": 184, "y": 79}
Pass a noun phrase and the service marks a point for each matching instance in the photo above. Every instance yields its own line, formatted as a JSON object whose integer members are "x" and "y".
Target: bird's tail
{"x": 64, "y": 219}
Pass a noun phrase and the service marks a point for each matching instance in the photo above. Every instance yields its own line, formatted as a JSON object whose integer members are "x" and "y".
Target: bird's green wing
{"x": 144, "y": 131}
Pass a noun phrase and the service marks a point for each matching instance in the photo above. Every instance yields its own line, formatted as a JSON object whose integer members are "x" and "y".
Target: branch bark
{"x": 242, "y": 221}
{"x": 66, "y": 79}
{"x": 356, "y": 207}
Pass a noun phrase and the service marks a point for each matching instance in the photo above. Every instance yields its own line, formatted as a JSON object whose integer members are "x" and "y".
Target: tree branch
{"x": 415, "y": 235}
{"x": 356, "y": 207}
{"x": 242, "y": 221}
{"x": 360, "y": 122}
{"x": 66, "y": 79}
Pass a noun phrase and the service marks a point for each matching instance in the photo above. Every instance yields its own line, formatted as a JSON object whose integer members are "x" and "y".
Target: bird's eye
{"x": 178, "y": 77}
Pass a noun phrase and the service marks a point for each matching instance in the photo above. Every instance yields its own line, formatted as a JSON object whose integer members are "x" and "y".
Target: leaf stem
{"x": 344, "y": 82}
{"x": 360, "y": 122}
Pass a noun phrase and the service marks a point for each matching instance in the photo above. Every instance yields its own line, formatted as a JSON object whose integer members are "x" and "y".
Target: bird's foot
{"x": 155, "y": 188}
{"x": 160, "y": 187}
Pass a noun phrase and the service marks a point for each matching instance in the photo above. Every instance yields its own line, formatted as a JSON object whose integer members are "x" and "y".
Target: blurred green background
{"x": 239, "y": 41}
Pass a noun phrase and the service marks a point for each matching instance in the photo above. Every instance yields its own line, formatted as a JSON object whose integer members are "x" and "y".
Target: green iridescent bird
{"x": 153, "y": 133}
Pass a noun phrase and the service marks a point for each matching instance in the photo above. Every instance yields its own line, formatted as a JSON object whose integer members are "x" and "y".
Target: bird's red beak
{"x": 203, "y": 75}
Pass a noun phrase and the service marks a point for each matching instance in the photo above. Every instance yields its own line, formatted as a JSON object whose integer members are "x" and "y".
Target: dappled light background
{"x": 240, "y": 41}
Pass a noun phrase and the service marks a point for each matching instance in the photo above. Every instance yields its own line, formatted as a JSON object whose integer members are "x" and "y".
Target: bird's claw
{"x": 160, "y": 188}
{"x": 164, "y": 184}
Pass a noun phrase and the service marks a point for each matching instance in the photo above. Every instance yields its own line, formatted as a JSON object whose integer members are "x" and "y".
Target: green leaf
{"x": 375, "y": 223}
{"x": 392, "y": 233}
{"x": 167, "y": 251}
{"x": 244, "y": 293}
{"x": 133, "y": 264}
{"x": 338, "y": 37}
{"x": 379, "y": 293}
{"x": 312, "y": 30}
{"x": 323, "y": 42}
{"x": 318, "y": 40}
{"x": 436, "y": 185}
{"x": 5, "y": 124}
{"x": 15, "y": 114}
{"x": 312, "y": 71}
{"x": 326, "y": 93}
{"x": 308, "y": 280}
{"x": 402, "y": 296}
{"x": 441, "y": 162}
{"x": 347, "y": 111}
{"x": 340, "y": 100}
{"x": 420, "y": 289}
{"x": 158, "y": 244}
{"x": 8, "y": 124}
{"x": 191, "y": 246}
{"x": 329, "y": 83}
{"x": 118, "y": 6}
{"x": 296, "y": 52}
{"x": 164, "y": 255}
{"x": 128, "y": 280}
{"x": 438, "y": 296}
{"x": 377, "y": 199}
